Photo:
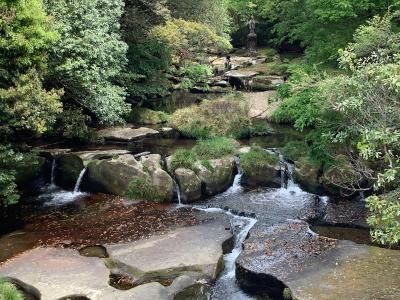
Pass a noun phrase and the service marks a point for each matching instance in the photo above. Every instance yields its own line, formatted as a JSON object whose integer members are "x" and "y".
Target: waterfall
{"x": 79, "y": 181}
{"x": 53, "y": 173}
{"x": 178, "y": 192}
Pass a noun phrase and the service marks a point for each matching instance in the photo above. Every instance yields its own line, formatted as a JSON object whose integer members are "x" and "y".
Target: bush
{"x": 73, "y": 125}
{"x": 147, "y": 116}
{"x": 385, "y": 218}
{"x": 295, "y": 150}
{"x": 257, "y": 158}
{"x": 8, "y": 291}
{"x": 215, "y": 148}
{"x": 223, "y": 117}
{"x": 142, "y": 189}
{"x": 187, "y": 38}
{"x": 193, "y": 74}
{"x": 183, "y": 158}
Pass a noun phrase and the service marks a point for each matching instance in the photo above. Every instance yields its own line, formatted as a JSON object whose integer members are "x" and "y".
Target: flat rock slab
{"x": 196, "y": 248}
{"x": 259, "y": 105}
{"x": 346, "y": 213}
{"x": 353, "y": 272}
{"x": 88, "y": 156}
{"x": 59, "y": 273}
{"x": 241, "y": 74}
{"x": 315, "y": 267}
{"x": 126, "y": 134}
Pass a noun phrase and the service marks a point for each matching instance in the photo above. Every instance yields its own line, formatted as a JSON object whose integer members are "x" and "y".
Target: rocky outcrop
{"x": 213, "y": 178}
{"x": 265, "y": 175}
{"x": 265, "y": 83}
{"x": 127, "y": 134}
{"x": 189, "y": 185}
{"x": 115, "y": 175}
{"x": 157, "y": 268}
{"x": 68, "y": 168}
{"x": 273, "y": 254}
{"x": 307, "y": 176}
{"x": 240, "y": 79}
{"x": 218, "y": 176}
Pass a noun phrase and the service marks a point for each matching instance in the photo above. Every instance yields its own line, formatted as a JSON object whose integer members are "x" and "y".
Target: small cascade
{"x": 178, "y": 193}
{"x": 226, "y": 285}
{"x": 79, "y": 181}
{"x": 53, "y": 173}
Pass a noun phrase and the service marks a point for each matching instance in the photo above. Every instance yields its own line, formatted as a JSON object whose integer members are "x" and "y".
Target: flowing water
{"x": 52, "y": 195}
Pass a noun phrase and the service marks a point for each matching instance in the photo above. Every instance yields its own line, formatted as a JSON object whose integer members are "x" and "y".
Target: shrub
{"x": 73, "y": 125}
{"x": 260, "y": 129}
{"x": 193, "y": 74}
{"x": 8, "y": 291}
{"x": 385, "y": 218}
{"x": 257, "y": 158}
{"x": 183, "y": 158}
{"x": 142, "y": 189}
{"x": 147, "y": 116}
{"x": 186, "y": 38}
{"x": 223, "y": 117}
{"x": 295, "y": 150}
{"x": 215, "y": 148}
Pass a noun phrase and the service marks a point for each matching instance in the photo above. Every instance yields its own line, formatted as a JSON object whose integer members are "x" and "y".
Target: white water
{"x": 79, "y": 181}
{"x": 55, "y": 196}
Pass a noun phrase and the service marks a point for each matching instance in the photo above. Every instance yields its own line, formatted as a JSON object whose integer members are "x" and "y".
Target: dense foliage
{"x": 25, "y": 105}
{"x": 90, "y": 55}
{"x": 355, "y": 114}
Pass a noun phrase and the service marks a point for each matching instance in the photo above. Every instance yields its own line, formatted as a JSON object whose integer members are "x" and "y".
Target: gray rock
{"x": 68, "y": 168}
{"x": 268, "y": 176}
{"x": 163, "y": 183}
{"x": 219, "y": 177}
{"x": 307, "y": 176}
{"x": 127, "y": 134}
{"x": 189, "y": 184}
{"x": 114, "y": 175}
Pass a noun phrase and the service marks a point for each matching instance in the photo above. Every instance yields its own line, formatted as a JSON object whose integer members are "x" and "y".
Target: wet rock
{"x": 267, "y": 175}
{"x": 127, "y": 134}
{"x": 346, "y": 213}
{"x": 195, "y": 249}
{"x": 272, "y": 255}
{"x": 189, "y": 184}
{"x": 68, "y": 168}
{"x": 219, "y": 177}
{"x": 350, "y": 271}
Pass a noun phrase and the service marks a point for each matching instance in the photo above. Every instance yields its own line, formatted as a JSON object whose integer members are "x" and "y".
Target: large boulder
{"x": 189, "y": 184}
{"x": 163, "y": 183}
{"x": 307, "y": 176}
{"x": 68, "y": 168}
{"x": 264, "y": 175}
{"x": 218, "y": 176}
{"x": 113, "y": 175}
